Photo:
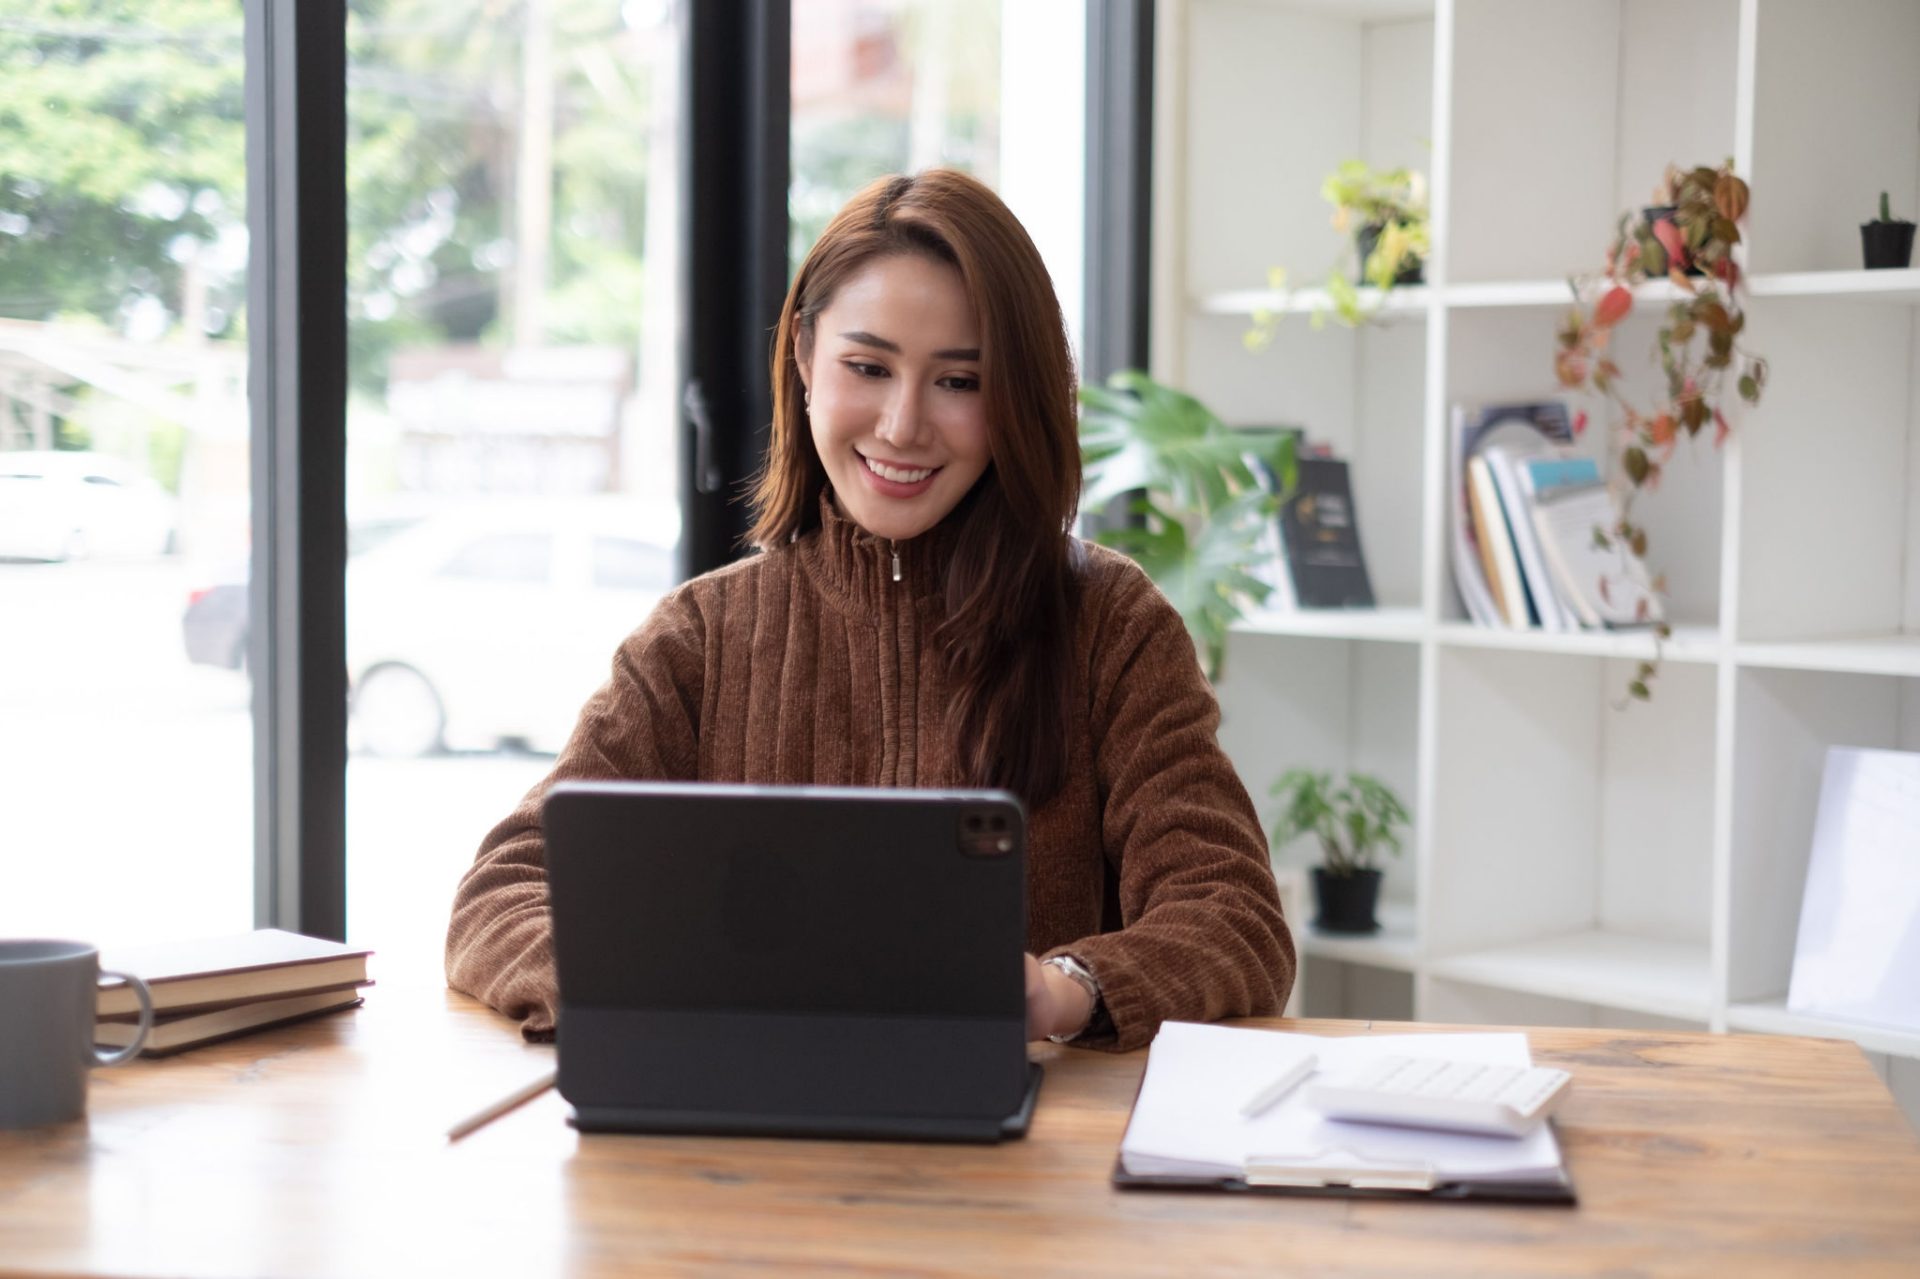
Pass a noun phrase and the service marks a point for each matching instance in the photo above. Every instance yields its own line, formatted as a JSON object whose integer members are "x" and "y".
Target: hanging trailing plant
{"x": 1688, "y": 236}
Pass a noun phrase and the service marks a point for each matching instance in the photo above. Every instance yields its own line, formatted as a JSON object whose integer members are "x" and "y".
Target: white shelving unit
{"x": 1572, "y": 862}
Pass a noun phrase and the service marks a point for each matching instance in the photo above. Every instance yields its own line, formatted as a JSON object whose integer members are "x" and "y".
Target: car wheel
{"x": 396, "y": 713}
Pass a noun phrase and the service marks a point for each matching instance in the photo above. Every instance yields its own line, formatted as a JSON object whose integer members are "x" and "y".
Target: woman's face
{"x": 894, "y": 384}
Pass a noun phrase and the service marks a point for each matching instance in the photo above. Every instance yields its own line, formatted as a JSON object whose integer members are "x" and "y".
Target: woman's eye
{"x": 960, "y": 382}
{"x": 864, "y": 368}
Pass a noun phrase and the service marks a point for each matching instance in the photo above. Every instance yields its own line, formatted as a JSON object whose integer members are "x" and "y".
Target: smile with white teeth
{"x": 896, "y": 474}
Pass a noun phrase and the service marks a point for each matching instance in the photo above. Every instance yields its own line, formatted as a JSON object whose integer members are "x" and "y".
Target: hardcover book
{"x": 1322, "y": 538}
{"x": 217, "y": 972}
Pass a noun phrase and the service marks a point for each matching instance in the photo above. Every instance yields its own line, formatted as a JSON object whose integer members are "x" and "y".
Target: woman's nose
{"x": 903, "y": 423}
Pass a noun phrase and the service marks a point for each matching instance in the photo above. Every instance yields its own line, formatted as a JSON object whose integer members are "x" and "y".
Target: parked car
{"x": 479, "y": 626}
{"x": 69, "y": 505}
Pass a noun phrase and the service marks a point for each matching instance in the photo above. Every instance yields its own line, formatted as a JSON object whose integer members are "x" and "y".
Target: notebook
{"x": 779, "y": 961}
{"x": 1188, "y": 1129}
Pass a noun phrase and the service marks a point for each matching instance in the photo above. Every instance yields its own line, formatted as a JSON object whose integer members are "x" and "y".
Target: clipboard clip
{"x": 1353, "y": 1173}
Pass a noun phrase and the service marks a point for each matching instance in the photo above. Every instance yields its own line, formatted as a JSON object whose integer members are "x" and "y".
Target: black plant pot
{"x": 1887, "y": 245}
{"x": 1658, "y": 213}
{"x": 1346, "y": 902}
{"x": 1365, "y": 238}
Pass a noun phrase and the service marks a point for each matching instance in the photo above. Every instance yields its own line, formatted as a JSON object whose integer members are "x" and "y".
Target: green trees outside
{"x": 123, "y": 179}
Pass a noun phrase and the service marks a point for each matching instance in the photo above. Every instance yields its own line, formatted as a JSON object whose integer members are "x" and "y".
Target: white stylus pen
{"x": 1285, "y": 1083}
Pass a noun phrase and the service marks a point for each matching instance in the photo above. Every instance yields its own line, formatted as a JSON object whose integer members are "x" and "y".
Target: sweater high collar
{"x": 856, "y": 569}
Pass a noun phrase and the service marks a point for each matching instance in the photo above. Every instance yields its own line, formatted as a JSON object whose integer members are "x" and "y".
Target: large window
{"x": 512, "y": 206}
{"x": 126, "y": 792}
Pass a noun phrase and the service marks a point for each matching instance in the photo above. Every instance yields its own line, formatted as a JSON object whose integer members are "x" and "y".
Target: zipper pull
{"x": 896, "y": 560}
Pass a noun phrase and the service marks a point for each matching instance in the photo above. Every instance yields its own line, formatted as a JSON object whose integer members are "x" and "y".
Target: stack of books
{"x": 1532, "y": 535}
{"x": 218, "y": 987}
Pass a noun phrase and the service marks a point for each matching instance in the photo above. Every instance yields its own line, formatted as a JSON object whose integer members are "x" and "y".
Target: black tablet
{"x": 814, "y": 961}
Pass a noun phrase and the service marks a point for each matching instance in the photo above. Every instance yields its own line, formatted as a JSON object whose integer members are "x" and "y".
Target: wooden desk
{"x": 318, "y": 1150}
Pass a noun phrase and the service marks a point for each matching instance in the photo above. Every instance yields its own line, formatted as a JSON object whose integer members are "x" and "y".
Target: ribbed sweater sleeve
{"x": 1201, "y": 932}
{"x": 642, "y": 724}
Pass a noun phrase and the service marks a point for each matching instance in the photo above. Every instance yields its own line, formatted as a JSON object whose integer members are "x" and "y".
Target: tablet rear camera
{"x": 985, "y": 835}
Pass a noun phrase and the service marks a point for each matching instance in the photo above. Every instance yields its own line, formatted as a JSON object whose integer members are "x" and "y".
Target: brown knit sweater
{"x": 810, "y": 664}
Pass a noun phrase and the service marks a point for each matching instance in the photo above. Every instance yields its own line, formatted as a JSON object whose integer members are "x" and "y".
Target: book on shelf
{"x": 1497, "y": 559}
{"x": 220, "y": 972}
{"x": 1310, "y": 553}
{"x": 174, "y": 1032}
{"x": 1321, "y": 535}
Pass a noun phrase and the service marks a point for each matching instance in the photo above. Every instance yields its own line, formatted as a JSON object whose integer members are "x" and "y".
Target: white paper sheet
{"x": 1858, "y": 951}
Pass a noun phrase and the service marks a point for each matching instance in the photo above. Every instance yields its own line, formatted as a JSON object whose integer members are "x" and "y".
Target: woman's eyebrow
{"x": 865, "y": 338}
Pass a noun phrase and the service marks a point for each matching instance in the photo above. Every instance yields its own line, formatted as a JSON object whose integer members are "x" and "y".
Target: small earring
{"x": 806, "y": 399}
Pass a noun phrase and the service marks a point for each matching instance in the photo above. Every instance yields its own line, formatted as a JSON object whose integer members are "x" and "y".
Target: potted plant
{"x": 1198, "y": 507}
{"x": 1352, "y": 821}
{"x": 1385, "y": 211}
{"x": 1886, "y": 242}
{"x": 1688, "y": 237}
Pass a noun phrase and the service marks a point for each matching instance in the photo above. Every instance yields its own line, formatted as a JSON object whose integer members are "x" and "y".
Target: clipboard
{"x": 1361, "y": 1183}
{"x": 1189, "y": 1129}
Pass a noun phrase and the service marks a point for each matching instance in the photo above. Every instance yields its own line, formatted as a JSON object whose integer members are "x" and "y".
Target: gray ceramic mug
{"x": 48, "y": 994}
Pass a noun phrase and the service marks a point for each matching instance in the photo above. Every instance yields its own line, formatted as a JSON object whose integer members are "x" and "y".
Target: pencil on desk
{"x": 493, "y": 1110}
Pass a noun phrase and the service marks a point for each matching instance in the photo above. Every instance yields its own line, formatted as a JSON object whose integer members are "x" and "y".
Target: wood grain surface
{"x": 319, "y": 1149}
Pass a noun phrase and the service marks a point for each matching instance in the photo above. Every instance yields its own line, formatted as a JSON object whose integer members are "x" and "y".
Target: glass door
{"x": 513, "y": 199}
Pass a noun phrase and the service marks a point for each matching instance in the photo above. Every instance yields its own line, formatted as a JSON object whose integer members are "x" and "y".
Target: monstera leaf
{"x": 1198, "y": 528}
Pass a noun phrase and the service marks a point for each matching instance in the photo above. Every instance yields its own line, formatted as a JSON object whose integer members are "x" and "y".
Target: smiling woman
{"x": 921, "y": 616}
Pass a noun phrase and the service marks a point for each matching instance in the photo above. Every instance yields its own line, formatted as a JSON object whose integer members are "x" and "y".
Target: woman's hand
{"x": 1056, "y": 1003}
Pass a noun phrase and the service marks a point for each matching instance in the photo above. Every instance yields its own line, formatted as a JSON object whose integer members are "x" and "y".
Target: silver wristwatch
{"x": 1083, "y": 977}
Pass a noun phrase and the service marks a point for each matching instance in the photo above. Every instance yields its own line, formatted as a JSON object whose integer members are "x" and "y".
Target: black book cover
{"x": 1323, "y": 540}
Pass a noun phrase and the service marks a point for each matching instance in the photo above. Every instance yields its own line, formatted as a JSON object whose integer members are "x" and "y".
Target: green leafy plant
{"x": 1352, "y": 819}
{"x": 1688, "y": 237}
{"x": 1201, "y": 510}
{"x": 1383, "y": 216}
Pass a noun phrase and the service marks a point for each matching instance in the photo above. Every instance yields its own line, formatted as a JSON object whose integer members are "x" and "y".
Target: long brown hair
{"x": 1011, "y": 589}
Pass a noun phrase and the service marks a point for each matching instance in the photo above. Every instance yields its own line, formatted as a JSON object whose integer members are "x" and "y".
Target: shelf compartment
{"x": 1835, "y": 99}
{"x": 1395, "y": 946}
{"x": 1658, "y": 977}
{"x": 1393, "y": 625}
{"x": 1829, "y": 538}
{"x": 1557, "y": 811}
{"x": 1596, "y": 130}
{"x": 1690, "y": 642}
{"x": 1785, "y": 722}
{"x": 1773, "y": 1017}
{"x": 1861, "y": 654}
{"x": 1505, "y": 355}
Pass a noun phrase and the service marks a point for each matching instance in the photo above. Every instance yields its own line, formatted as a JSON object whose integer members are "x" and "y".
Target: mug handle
{"x": 145, "y": 997}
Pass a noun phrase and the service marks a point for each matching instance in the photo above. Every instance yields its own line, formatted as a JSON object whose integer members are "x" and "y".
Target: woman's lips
{"x": 897, "y": 488}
